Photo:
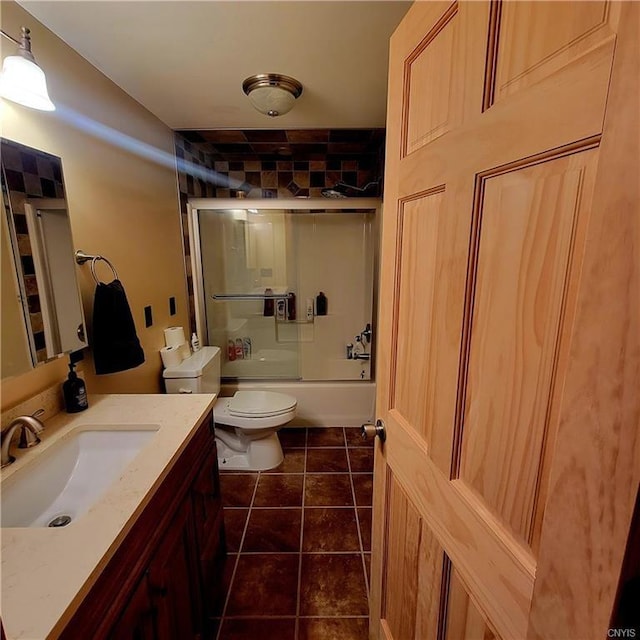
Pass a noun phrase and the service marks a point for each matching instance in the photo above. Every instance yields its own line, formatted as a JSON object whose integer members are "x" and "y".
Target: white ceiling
{"x": 185, "y": 60}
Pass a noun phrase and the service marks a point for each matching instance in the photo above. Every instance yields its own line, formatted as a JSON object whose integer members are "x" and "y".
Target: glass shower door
{"x": 250, "y": 280}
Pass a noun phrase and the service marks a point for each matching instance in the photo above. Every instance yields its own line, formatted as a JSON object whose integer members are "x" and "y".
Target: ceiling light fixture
{"x": 271, "y": 93}
{"x": 22, "y": 80}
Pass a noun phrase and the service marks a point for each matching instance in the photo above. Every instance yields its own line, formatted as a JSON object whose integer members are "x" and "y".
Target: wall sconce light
{"x": 271, "y": 93}
{"x": 22, "y": 80}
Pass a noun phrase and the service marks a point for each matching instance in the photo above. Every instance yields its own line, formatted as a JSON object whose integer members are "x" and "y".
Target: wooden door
{"x": 508, "y": 345}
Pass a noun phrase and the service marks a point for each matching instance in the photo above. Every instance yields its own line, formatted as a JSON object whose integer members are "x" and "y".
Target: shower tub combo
{"x": 258, "y": 268}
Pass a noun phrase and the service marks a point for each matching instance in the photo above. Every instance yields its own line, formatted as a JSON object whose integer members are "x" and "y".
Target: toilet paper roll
{"x": 185, "y": 351}
{"x": 174, "y": 336}
{"x": 171, "y": 356}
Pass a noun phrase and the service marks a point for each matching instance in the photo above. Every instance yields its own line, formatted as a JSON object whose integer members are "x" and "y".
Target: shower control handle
{"x": 369, "y": 430}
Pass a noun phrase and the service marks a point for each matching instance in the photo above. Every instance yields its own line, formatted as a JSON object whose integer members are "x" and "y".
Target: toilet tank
{"x": 199, "y": 373}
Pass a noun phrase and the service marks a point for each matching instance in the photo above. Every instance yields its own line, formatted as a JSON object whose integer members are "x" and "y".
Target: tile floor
{"x": 299, "y": 541}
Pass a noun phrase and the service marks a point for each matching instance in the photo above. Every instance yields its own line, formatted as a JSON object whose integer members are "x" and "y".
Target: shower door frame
{"x": 195, "y": 205}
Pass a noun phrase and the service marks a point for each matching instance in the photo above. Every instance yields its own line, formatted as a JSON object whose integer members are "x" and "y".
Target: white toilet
{"x": 245, "y": 424}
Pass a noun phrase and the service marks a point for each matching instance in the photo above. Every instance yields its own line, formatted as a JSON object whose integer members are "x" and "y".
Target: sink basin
{"x": 63, "y": 482}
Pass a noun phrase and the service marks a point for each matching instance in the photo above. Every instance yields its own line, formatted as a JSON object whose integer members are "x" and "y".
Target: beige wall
{"x": 122, "y": 205}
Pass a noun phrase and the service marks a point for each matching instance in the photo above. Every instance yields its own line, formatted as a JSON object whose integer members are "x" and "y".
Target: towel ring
{"x": 82, "y": 257}
{"x": 93, "y": 268}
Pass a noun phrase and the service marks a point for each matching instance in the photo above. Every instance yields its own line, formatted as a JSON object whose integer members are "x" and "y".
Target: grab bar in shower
{"x": 250, "y": 296}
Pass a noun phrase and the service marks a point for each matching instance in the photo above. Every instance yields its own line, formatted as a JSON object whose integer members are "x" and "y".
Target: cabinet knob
{"x": 368, "y": 431}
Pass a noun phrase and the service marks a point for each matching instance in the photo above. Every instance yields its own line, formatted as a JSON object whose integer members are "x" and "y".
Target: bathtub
{"x": 321, "y": 404}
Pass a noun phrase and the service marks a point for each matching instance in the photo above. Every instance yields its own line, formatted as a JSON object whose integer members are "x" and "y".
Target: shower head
{"x": 340, "y": 189}
{"x": 332, "y": 192}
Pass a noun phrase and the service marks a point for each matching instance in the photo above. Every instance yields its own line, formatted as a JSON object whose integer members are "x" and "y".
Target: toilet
{"x": 246, "y": 424}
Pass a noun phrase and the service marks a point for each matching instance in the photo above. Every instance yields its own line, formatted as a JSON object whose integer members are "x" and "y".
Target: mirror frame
{"x": 30, "y": 176}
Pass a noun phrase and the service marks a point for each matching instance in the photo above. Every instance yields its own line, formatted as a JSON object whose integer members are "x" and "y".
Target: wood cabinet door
{"x": 508, "y": 344}
{"x": 174, "y": 580}
{"x": 137, "y": 621}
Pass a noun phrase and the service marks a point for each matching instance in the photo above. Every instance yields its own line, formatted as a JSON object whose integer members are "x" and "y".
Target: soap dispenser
{"x": 75, "y": 392}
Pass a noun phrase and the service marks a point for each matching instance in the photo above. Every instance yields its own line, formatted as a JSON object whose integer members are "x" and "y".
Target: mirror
{"x": 42, "y": 316}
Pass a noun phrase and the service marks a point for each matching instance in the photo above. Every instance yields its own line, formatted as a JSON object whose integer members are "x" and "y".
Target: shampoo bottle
{"x": 321, "y": 304}
{"x": 75, "y": 392}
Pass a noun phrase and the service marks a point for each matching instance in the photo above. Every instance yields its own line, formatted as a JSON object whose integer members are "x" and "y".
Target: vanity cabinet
{"x": 165, "y": 573}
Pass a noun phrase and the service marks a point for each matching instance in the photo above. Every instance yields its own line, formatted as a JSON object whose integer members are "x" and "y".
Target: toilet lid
{"x": 260, "y": 403}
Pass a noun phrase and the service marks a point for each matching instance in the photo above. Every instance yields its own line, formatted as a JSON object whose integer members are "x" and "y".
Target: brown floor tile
{"x": 234, "y": 521}
{"x": 273, "y": 530}
{"x": 264, "y": 585}
{"x": 237, "y": 488}
{"x": 221, "y": 593}
{"x": 293, "y": 462}
{"x": 327, "y": 490}
{"x": 327, "y": 460}
{"x": 361, "y": 460}
{"x": 367, "y": 564}
{"x": 292, "y": 437}
{"x": 254, "y": 628}
{"x": 333, "y": 629}
{"x": 363, "y": 488}
{"x": 330, "y": 530}
{"x": 213, "y": 624}
{"x": 354, "y": 438}
{"x": 325, "y": 437}
{"x": 333, "y": 585}
{"x": 364, "y": 518}
{"x": 279, "y": 491}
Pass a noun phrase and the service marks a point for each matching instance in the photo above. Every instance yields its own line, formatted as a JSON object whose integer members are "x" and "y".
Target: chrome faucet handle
{"x": 30, "y": 430}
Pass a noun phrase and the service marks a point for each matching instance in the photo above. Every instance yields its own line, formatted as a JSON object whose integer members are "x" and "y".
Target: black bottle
{"x": 75, "y": 392}
{"x": 321, "y": 304}
{"x": 268, "y": 302}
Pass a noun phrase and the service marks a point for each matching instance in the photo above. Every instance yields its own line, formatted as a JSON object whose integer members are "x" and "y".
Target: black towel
{"x": 115, "y": 343}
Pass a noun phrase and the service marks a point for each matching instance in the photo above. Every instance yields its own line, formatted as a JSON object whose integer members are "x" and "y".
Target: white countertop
{"x": 46, "y": 572}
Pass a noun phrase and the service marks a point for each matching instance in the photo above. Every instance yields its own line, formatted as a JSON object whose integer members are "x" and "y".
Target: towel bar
{"x": 82, "y": 257}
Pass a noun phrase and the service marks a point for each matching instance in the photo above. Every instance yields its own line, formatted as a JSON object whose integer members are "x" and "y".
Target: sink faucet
{"x": 30, "y": 428}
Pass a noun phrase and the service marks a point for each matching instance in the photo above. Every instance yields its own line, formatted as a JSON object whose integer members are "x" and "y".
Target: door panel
{"x": 422, "y": 325}
{"x": 528, "y": 219}
{"x": 431, "y": 69}
{"x": 537, "y": 39}
{"x": 464, "y": 620}
{"x": 482, "y": 528}
{"x": 414, "y": 563}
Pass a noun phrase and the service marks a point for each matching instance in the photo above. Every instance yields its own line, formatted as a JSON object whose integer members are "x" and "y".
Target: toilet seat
{"x": 255, "y": 410}
{"x": 260, "y": 404}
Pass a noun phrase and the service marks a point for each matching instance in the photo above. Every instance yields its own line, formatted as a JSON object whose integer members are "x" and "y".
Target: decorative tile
{"x": 327, "y": 460}
{"x": 327, "y": 529}
{"x": 328, "y": 490}
{"x": 333, "y": 585}
{"x": 273, "y": 530}
{"x": 264, "y": 584}
{"x": 279, "y": 491}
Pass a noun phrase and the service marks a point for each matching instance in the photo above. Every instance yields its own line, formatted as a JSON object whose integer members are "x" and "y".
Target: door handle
{"x": 369, "y": 430}
{"x": 80, "y": 332}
